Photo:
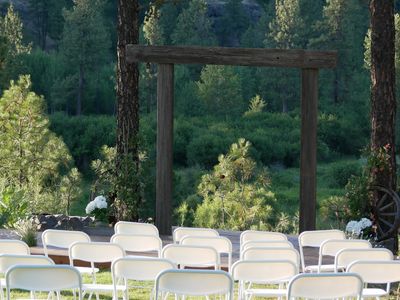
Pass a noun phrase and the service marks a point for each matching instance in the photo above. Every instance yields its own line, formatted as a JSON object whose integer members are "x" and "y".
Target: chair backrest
{"x": 332, "y": 247}
{"x": 185, "y": 255}
{"x": 376, "y": 271}
{"x": 62, "y": 238}
{"x": 43, "y": 278}
{"x": 315, "y": 238}
{"x": 180, "y": 232}
{"x": 138, "y": 243}
{"x": 346, "y": 256}
{"x": 95, "y": 252}
{"x": 9, "y": 260}
{"x": 195, "y": 283}
{"x": 219, "y": 243}
{"x": 255, "y": 235}
{"x": 264, "y": 253}
{"x": 266, "y": 271}
{"x": 139, "y": 268}
{"x": 325, "y": 286}
{"x": 14, "y": 247}
{"x": 268, "y": 244}
{"x": 135, "y": 228}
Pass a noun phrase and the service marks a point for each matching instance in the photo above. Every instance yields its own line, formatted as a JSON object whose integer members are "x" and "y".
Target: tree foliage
{"x": 12, "y": 46}
{"x": 236, "y": 193}
{"x": 85, "y": 44}
{"x": 193, "y": 27}
{"x": 32, "y": 158}
{"x": 219, "y": 88}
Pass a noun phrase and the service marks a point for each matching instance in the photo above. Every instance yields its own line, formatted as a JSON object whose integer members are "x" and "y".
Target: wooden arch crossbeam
{"x": 167, "y": 56}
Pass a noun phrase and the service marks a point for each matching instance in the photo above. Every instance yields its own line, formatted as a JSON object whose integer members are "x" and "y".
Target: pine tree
{"x": 12, "y": 46}
{"x": 219, "y": 88}
{"x": 343, "y": 28}
{"x": 287, "y": 28}
{"x": 154, "y": 35}
{"x": 233, "y": 24}
{"x": 47, "y": 19}
{"x": 85, "y": 43}
{"x": 31, "y": 156}
{"x": 193, "y": 26}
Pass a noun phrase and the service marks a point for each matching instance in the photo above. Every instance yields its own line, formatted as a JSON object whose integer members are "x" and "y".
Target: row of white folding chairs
{"x": 311, "y": 286}
{"x": 133, "y": 268}
{"x": 188, "y": 253}
{"x": 124, "y": 227}
{"x": 185, "y": 282}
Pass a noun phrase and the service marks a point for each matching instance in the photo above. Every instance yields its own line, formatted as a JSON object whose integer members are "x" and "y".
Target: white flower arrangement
{"x": 98, "y": 202}
{"x": 356, "y": 228}
{"x": 98, "y": 207}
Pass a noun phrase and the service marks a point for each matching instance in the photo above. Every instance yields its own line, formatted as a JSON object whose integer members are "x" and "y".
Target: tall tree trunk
{"x": 336, "y": 87}
{"x": 127, "y": 103}
{"x": 383, "y": 98}
{"x": 80, "y": 91}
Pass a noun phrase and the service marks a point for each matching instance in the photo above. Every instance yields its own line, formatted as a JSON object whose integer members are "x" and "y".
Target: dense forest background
{"x": 69, "y": 50}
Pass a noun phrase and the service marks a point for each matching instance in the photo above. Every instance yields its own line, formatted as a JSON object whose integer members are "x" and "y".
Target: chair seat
{"x": 91, "y": 287}
{"x": 371, "y": 292}
{"x": 87, "y": 270}
{"x": 324, "y": 268}
{"x": 266, "y": 292}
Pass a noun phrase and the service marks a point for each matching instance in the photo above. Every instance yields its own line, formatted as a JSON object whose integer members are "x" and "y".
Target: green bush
{"x": 84, "y": 136}
{"x": 340, "y": 172}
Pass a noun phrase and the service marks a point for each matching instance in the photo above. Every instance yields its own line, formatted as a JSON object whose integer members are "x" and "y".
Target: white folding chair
{"x": 264, "y": 253}
{"x": 96, "y": 253}
{"x": 325, "y": 286}
{"x": 135, "y": 228}
{"x": 180, "y": 232}
{"x": 138, "y": 242}
{"x": 14, "y": 247}
{"x": 256, "y": 235}
{"x": 194, "y": 283}
{"x": 193, "y": 256}
{"x": 139, "y": 269}
{"x": 314, "y": 239}
{"x": 63, "y": 239}
{"x": 332, "y": 247}
{"x": 267, "y": 244}
{"x": 376, "y": 272}
{"x": 222, "y": 244}
{"x": 9, "y": 260}
{"x": 36, "y": 278}
{"x": 276, "y": 272}
{"x": 346, "y": 256}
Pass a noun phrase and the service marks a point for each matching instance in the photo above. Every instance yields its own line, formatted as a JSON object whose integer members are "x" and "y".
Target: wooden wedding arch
{"x": 167, "y": 56}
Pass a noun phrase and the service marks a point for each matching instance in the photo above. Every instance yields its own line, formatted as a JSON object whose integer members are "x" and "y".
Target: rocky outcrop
{"x": 46, "y": 221}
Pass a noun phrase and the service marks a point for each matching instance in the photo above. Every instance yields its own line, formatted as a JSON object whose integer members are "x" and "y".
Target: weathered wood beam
{"x": 308, "y": 154}
{"x": 296, "y": 58}
{"x": 165, "y": 111}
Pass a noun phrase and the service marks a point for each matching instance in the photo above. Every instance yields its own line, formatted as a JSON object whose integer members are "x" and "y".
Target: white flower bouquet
{"x": 98, "y": 208}
{"x": 359, "y": 229}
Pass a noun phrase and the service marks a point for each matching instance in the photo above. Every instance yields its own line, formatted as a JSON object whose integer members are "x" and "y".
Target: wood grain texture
{"x": 308, "y": 154}
{"x": 296, "y": 58}
{"x": 165, "y": 111}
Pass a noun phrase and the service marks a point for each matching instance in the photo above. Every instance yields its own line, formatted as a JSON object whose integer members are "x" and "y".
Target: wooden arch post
{"x": 166, "y": 56}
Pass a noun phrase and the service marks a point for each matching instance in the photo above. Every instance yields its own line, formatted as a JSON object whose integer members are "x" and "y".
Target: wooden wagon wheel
{"x": 386, "y": 212}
